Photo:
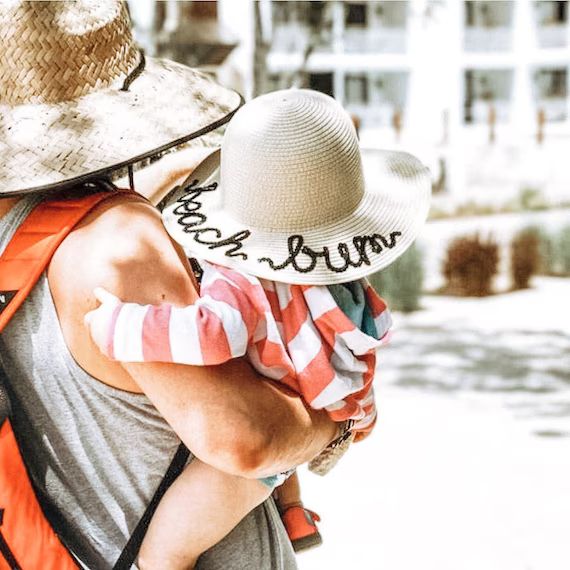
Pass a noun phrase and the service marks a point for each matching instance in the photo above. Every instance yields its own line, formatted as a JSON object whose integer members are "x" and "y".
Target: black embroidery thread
{"x": 190, "y": 217}
{"x": 297, "y": 247}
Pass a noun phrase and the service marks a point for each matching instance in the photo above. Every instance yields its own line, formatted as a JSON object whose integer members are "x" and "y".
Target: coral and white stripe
{"x": 296, "y": 334}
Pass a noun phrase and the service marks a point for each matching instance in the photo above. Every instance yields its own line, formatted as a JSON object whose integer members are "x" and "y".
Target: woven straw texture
{"x": 64, "y": 115}
{"x": 330, "y": 456}
{"x": 291, "y": 166}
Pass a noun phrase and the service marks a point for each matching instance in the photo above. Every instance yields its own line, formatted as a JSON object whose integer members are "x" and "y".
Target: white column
{"x": 433, "y": 76}
{"x": 237, "y": 17}
{"x": 337, "y": 26}
{"x": 172, "y": 19}
{"x": 338, "y": 48}
{"x": 523, "y": 109}
{"x": 143, "y": 13}
{"x": 568, "y": 70}
{"x": 455, "y": 154}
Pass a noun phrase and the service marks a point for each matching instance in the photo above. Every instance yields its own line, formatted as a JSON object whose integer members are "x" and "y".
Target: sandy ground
{"x": 469, "y": 468}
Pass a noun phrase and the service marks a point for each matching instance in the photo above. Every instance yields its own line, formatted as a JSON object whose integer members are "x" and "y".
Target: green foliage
{"x": 470, "y": 266}
{"x": 531, "y": 199}
{"x": 525, "y": 257}
{"x": 400, "y": 284}
{"x": 562, "y": 251}
{"x": 472, "y": 208}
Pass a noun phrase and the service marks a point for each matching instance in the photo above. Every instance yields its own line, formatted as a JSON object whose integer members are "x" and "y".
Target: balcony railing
{"x": 480, "y": 111}
{"x": 373, "y": 114}
{"x": 555, "y": 108}
{"x": 377, "y": 39}
{"x": 481, "y": 39}
{"x": 552, "y": 35}
{"x": 294, "y": 37}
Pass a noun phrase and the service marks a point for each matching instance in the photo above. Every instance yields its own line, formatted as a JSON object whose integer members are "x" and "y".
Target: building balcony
{"x": 555, "y": 108}
{"x": 294, "y": 37}
{"x": 551, "y": 20}
{"x": 552, "y": 36}
{"x": 487, "y": 39}
{"x": 481, "y": 111}
{"x": 375, "y": 40}
{"x": 373, "y": 115}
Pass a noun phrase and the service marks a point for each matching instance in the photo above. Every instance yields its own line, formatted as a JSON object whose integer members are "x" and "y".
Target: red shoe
{"x": 301, "y": 528}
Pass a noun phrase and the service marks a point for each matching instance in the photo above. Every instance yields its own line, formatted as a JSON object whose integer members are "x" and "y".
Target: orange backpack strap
{"x": 34, "y": 243}
{"x": 27, "y": 540}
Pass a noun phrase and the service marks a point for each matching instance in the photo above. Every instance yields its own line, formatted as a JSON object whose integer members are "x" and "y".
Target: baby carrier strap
{"x": 27, "y": 540}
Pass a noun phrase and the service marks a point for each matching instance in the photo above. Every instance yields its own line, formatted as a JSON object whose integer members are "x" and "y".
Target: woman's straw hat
{"x": 78, "y": 99}
{"x": 288, "y": 201}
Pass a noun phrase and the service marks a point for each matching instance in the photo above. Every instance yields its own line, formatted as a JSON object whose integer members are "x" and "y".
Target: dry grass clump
{"x": 470, "y": 266}
{"x": 525, "y": 258}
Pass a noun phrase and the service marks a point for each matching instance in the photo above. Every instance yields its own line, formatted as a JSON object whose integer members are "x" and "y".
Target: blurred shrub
{"x": 470, "y": 266}
{"x": 546, "y": 249}
{"x": 531, "y": 199}
{"x": 472, "y": 208}
{"x": 562, "y": 251}
{"x": 400, "y": 284}
{"x": 525, "y": 257}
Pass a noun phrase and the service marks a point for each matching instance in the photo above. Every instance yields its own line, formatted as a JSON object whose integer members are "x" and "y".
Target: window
{"x": 561, "y": 15}
{"x": 322, "y": 82}
{"x": 316, "y": 11}
{"x": 281, "y": 12}
{"x": 552, "y": 83}
{"x": 552, "y": 13}
{"x": 479, "y": 13}
{"x": 356, "y": 14}
{"x": 356, "y": 89}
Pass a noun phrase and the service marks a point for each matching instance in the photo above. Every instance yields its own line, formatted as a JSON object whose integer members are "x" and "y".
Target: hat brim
{"x": 383, "y": 226}
{"x": 44, "y": 146}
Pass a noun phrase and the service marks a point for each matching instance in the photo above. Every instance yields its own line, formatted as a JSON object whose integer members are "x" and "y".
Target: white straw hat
{"x": 288, "y": 201}
{"x": 78, "y": 99}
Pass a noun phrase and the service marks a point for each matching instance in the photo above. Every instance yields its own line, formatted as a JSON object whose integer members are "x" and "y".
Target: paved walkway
{"x": 469, "y": 468}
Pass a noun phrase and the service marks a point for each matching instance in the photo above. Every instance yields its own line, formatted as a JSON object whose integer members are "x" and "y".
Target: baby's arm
{"x": 201, "y": 507}
{"x": 215, "y": 329}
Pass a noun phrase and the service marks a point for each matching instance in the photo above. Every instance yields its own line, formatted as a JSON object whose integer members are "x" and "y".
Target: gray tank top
{"x": 95, "y": 453}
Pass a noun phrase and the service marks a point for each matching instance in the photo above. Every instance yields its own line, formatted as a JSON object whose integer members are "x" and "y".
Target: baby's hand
{"x": 100, "y": 319}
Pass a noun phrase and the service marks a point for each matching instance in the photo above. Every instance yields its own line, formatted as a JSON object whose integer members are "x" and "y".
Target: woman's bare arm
{"x": 227, "y": 415}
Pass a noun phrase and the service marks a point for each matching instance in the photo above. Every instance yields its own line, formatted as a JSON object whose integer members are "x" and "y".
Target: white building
{"x": 463, "y": 84}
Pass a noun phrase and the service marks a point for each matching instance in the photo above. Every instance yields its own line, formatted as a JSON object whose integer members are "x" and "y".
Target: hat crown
{"x": 290, "y": 161}
{"x": 56, "y": 51}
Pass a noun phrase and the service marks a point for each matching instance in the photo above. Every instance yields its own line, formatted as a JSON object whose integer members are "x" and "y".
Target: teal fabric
{"x": 351, "y": 298}
{"x": 276, "y": 480}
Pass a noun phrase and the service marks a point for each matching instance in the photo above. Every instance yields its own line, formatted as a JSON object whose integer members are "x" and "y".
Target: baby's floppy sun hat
{"x": 285, "y": 198}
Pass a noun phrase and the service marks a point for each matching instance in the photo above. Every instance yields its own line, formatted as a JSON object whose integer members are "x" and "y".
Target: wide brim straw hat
{"x": 79, "y": 100}
{"x": 285, "y": 199}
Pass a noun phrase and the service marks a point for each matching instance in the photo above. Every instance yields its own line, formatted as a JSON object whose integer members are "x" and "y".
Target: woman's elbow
{"x": 245, "y": 452}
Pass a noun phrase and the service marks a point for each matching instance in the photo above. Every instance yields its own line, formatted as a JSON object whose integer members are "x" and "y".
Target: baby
{"x": 286, "y": 233}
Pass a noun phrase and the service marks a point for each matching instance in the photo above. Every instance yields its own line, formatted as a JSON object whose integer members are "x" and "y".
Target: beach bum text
{"x": 301, "y": 257}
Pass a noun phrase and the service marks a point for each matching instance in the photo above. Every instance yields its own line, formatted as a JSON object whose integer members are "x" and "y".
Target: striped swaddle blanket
{"x": 296, "y": 334}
